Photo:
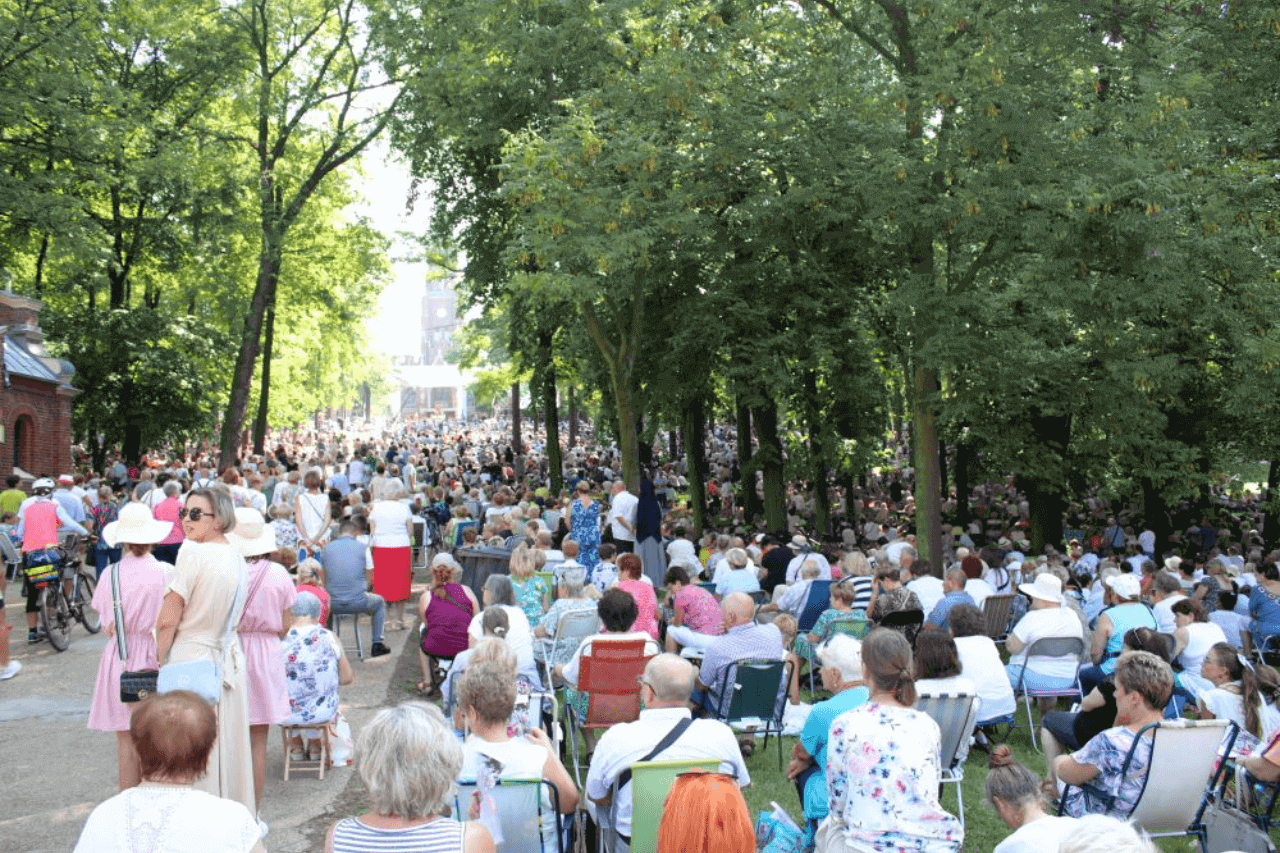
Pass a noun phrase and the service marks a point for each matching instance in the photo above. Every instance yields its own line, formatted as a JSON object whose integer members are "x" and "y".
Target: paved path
{"x": 55, "y": 770}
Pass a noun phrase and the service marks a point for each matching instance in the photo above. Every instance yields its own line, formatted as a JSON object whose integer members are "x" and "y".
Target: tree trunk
{"x": 573, "y": 420}
{"x": 1271, "y": 521}
{"x": 692, "y": 426}
{"x": 671, "y": 442}
{"x": 1048, "y": 507}
{"x": 817, "y": 458}
{"x": 1156, "y": 513}
{"x": 751, "y": 505}
{"x": 644, "y": 448}
{"x": 942, "y": 470}
{"x": 551, "y": 413}
{"x": 769, "y": 456}
{"x": 925, "y": 447}
{"x": 242, "y": 376}
{"x": 619, "y": 352}
{"x": 962, "y": 483}
{"x": 264, "y": 392}
{"x": 515, "y": 418}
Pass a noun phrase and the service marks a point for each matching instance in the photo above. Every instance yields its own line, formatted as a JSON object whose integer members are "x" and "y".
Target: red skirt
{"x": 392, "y": 572}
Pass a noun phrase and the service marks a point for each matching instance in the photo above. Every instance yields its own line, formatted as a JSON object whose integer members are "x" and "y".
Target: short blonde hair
{"x": 489, "y": 685}
{"x": 408, "y": 759}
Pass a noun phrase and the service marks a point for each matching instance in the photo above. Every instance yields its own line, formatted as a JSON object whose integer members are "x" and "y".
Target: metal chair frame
{"x": 1052, "y": 647}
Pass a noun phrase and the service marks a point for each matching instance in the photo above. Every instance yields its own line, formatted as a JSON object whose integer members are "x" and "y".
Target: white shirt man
{"x": 622, "y": 517}
{"x": 664, "y": 689}
{"x": 928, "y": 589}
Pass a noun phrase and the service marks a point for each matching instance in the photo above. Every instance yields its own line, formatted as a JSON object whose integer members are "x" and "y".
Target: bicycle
{"x": 59, "y": 607}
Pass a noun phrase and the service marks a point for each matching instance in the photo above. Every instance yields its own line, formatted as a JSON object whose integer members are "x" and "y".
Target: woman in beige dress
{"x": 204, "y": 591}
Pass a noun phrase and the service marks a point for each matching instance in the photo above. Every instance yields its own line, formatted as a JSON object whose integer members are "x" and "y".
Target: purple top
{"x": 447, "y": 622}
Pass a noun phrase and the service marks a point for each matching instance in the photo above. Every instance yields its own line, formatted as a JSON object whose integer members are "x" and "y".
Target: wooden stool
{"x": 319, "y": 764}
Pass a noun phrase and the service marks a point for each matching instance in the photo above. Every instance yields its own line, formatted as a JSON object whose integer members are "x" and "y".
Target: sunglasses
{"x": 194, "y": 514}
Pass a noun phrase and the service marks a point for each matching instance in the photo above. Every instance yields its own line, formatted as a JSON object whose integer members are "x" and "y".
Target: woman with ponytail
{"x": 883, "y": 772}
{"x": 1014, "y": 792}
{"x": 1237, "y": 695}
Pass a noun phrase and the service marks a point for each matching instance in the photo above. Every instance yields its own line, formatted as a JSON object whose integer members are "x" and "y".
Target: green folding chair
{"x": 651, "y": 781}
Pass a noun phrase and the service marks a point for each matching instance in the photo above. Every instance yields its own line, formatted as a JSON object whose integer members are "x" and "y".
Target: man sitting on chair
{"x": 743, "y": 639}
{"x": 665, "y": 688}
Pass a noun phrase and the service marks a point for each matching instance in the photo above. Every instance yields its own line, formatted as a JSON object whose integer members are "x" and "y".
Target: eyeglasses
{"x": 194, "y": 514}
{"x": 640, "y": 680}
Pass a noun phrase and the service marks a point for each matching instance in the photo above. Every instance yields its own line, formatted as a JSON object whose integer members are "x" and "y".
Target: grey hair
{"x": 1167, "y": 583}
{"x": 500, "y": 590}
{"x": 723, "y": 542}
{"x": 736, "y": 557}
{"x": 1095, "y": 833}
{"x": 845, "y": 654}
{"x": 408, "y": 758}
{"x": 671, "y": 677}
{"x": 573, "y": 580}
{"x": 810, "y": 569}
{"x": 395, "y": 491}
{"x": 172, "y": 489}
{"x": 306, "y": 604}
{"x": 220, "y": 500}
{"x": 908, "y": 551}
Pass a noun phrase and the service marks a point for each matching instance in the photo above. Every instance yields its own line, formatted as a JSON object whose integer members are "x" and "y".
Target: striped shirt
{"x": 441, "y": 835}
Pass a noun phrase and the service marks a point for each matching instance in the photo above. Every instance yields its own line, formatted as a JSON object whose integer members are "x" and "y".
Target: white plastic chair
{"x": 956, "y": 716}
{"x": 1050, "y": 647}
{"x": 572, "y": 628}
{"x": 521, "y": 813}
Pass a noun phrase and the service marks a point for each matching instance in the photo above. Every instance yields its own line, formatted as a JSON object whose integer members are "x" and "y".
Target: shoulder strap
{"x": 254, "y": 588}
{"x": 672, "y": 736}
{"x": 122, "y": 645}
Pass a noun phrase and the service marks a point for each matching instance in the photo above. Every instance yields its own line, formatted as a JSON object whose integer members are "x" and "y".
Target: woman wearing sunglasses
{"x": 204, "y": 595}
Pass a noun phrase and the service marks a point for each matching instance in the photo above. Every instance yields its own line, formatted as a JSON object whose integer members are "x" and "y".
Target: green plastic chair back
{"x": 550, "y": 578}
{"x": 651, "y": 781}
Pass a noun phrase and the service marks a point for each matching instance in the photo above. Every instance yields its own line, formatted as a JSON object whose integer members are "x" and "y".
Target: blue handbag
{"x": 202, "y": 677}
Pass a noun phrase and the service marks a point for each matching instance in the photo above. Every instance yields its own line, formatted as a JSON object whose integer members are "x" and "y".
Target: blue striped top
{"x": 441, "y": 835}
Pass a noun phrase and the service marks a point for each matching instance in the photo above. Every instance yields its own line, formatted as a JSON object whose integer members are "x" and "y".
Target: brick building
{"x": 35, "y": 396}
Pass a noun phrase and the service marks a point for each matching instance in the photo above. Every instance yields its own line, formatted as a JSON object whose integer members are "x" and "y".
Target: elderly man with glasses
{"x": 665, "y": 731}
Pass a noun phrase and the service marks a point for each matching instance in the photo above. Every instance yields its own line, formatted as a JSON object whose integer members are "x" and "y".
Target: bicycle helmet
{"x": 43, "y": 485}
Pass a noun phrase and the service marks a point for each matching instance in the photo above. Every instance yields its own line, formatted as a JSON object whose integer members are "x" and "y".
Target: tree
{"x": 322, "y": 95}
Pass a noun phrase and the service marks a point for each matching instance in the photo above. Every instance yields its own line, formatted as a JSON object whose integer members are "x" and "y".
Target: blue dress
{"x": 585, "y": 530}
{"x": 1264, "y": 607}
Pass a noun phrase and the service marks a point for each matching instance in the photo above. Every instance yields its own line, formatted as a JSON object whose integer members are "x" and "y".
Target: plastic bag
{"x": 776, "y": 832}
{"x": 341, "y": 745}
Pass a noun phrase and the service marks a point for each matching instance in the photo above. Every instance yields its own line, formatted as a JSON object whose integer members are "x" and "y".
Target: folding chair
{"x": 996, "y": 611}
{"x": 758, "y": 697}
{"x": 818, "y": 599}
{"x": 420, "y": 543}
{"x": 550, "y": 577}
{"x": 607, "y": 674}
{"x": 572, "y": 628}
{"x": 854, "y": 626}
{"x": 651, "y": 781}
{"x": 1180, "y": 780}
{"x": 520, "y": 812}
{"x": 905, "y": 622}
{"x": 709, "y": 586}
{"x": 1050, "y": 647}
{"x": 955, "y": 716}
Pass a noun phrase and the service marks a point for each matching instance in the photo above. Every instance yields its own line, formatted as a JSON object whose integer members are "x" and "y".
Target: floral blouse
{"x": 883, "y": 778}
{"x": 311, "y": 673}
{"x": 1106, "y": 751}
{"x": 530, "y": 593}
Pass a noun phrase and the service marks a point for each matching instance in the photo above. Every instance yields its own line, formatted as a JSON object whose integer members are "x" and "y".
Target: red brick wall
{"x": 46, "y": 444}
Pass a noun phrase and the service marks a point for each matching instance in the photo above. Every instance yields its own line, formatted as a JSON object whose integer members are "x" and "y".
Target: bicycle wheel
{"x": 89, "y": 618}
{"x": 56, "y": 616}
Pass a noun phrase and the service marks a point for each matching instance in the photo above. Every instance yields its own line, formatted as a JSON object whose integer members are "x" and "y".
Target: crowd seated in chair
{"x": 487, "y": 697}
{"x": 665, "y": 688}
{"x": 315, "y": 665}
{"x": 706, "y": 812}
{"x": 743, "y": 638}
{"x": 841, "y": 672}
{"x": 1143, "y": 685}
{"x": 883, "y": 769}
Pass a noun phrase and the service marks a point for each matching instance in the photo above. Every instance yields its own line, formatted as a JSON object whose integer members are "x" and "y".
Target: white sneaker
{"x": 11, "y": 670}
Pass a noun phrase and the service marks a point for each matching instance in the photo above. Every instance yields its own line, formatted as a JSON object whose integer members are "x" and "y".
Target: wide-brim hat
{"x": 1047, "y": 587}
{"x": 1125, "y": 586}
{"x": 135, "y": 525}
{"x": 252, "y": 536}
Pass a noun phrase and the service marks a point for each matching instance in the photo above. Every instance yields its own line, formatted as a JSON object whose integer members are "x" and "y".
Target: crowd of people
{"x": 244, "y": 568}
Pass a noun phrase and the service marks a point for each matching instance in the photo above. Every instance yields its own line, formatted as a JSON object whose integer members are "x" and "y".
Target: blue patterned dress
{"x": 585, "y": 530}
{"x": 311, "y": 673}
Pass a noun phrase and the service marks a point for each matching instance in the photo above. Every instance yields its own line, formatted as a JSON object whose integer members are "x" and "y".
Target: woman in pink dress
{"x": 266, "y": 619}
{"x": 630, "y": 570}
{"x": 141, "y": 592}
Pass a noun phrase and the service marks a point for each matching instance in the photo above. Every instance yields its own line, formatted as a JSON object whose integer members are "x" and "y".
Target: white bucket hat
{"x": 252, "y": 535}
{"x": 1125, "y": 586}
{"x": 136, "y": 526}
{"x": 1047, "y": 587}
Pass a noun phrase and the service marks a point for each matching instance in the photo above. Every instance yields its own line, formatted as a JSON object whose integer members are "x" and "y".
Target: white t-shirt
{"x": 194, "y": 821}
{"x": 519, "y": 635}
{"x": 978, "y": 590}
{"x": 980, "y": 662}
{"x": 624, "y": 505}
{"x": 1049, "y": 622}
{"x": 388, "y": 519}
{"x": 929, "y": 590}
{"x": 1163, "y": 611}
{"x": 1039, "y": 836}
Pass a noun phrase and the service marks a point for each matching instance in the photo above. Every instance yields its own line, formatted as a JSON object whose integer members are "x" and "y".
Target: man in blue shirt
{"x": 347, "y": 577}
{"x": 953, "y": 594}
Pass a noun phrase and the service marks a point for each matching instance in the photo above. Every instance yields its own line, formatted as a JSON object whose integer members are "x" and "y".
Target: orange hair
{"x": 705, "y": 813}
